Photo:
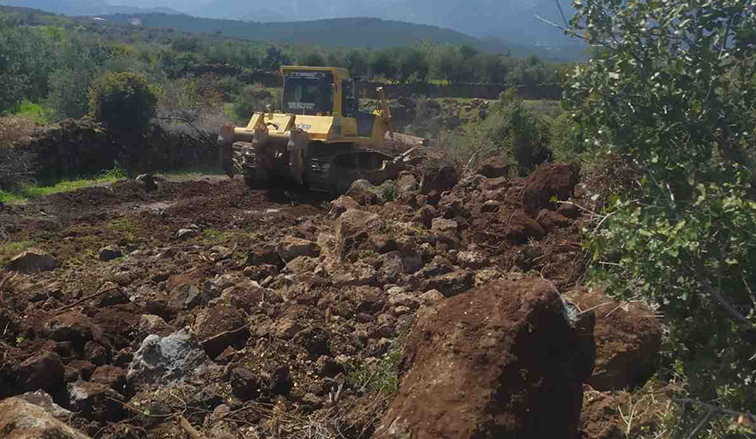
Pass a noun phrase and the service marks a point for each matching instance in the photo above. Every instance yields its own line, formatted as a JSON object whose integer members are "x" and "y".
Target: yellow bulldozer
{"x": 320, "y": 139}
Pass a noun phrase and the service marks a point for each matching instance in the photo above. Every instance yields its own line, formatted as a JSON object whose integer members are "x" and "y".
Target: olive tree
{"x": 671, "y": 89}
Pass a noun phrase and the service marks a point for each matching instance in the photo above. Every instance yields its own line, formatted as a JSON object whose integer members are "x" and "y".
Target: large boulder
{"x": 494, "y": 167}
{"x": 33, "y": 260}
{"x": 628, "y": 340}
{"x": 549, "y": 181}
{"x": 20, "y": 419}
{"x": 506, "y": 360}
{"x": 439, "y": 179}
{"x": 43, "y": 371}
{"x": 168, "y": 360}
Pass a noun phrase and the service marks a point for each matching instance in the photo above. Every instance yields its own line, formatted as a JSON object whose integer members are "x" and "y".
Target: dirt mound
{"x": 503, "y": 360}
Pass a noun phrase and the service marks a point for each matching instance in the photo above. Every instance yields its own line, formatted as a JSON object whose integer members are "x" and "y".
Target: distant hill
{"x": 83, "y": 7}
{"x": 339, "y": 32}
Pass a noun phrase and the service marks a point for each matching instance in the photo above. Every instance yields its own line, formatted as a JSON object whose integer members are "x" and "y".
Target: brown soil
{"x": 306, "y": 332}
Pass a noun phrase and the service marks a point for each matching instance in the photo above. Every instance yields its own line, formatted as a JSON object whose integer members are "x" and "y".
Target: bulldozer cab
{"x": 315, "y": 91}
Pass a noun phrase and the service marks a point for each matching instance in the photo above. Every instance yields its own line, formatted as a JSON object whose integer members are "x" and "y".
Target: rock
{"x": 147, "y": 181}
{"x": 548, "y": 181}
{"x": 212, "y": 322}
{"x": 407, "y": 182}
{"x": 505, "y": 360}
{"x": 392, "y": 268}
{"x": 302, "y": 264}
{"x": 472, "y": 259}
{"x": 520, "y": 227}
{"x": 364, "y": 193}
{"x": 550, "y": 220}
{"x": 442, "y": 225}
{"x": 32, "y": 261}
{"x": 245, "y": 384}
{"x": 267, "y": 254}
{"x": 152, "y": 324}
{"x": 341, "y": 205}
{"x": 176, "y": 358}
{"x": 220, "y": 253}
{"x": 451, "y": 284}
{"x": 569, "y": 210}
{"x": 186, "y": 233}
{"x": 431, "y": 297}
{"x": 426, "y": 215}
{"x": 44, "y": 400}
{"x": 494, "y": 185}
{"x": 97, "y": 353}
{"x": 185, "y": 297}
{"x": 439, "y": 179}
{"x": 354, "y": 275}
{"x": 354, "y": 227}
{"x": 96, "y": 402}
{"x": 628, "y": 340}
{"x": 290, "y": 248}
{"x": 110, "y": 252}
{"x": 20, "y": 419}
{"x": 43, "y": 371}
{"x": 494, "y": 167}
{"x": 383, "y": 243}
{"x": 72, "y": 327}
{"x": 111, "y": 376}
{"x": 111, "y": 294}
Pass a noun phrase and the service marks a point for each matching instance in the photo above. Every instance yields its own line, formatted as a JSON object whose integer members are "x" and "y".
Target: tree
{"x": 672, "y": 93}
{"x": 411, "y": 63}
{"x": 312, "y": 58}
{"x": 383, "y": 64}
{"x": 356, "y": 63}
{"x": 123, "y": 101}
{"x": 275, "y": 58}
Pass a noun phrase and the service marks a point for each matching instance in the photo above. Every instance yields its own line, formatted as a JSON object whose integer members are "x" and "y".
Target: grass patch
{"x": 34, "y": 112}
{"x": 126, "y": 226}
{"x": 381, "y": 376}
{"x": 43, "y": 190}
{"x": 10, "y": 249}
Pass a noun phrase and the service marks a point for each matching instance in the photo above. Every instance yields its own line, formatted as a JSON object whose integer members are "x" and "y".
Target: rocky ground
{"x": 204, "y": 308}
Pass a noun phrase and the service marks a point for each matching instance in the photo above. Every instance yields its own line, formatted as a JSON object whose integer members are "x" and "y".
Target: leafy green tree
{"x": 450, "y": 65}
{"x": 275, "y": 58}
{"x": 383, "y": 64}
{"x": 673, "y": 91}
{"x": 123, "y": 101}
{"x": 411, "y": 63}
{"x": 357, "y": 64}
{"x": 312, "y": 58}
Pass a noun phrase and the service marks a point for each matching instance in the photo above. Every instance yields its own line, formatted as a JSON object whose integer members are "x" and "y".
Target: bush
{"x": 566, "y": 138}
{"x": 123, "y": 101}
{"x": 17, "y": 163}
{"x": 513, "y": 130}
{"x": 672, "y": 91}
{"x": 253, "y": 98}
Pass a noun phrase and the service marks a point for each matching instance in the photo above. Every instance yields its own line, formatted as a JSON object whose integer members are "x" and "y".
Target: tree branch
{"x": 717, "y": 295}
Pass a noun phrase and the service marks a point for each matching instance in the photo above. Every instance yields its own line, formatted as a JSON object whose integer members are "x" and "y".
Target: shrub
{"x": 253, "y": 98}
{"x": 123, "y": 101}
{"x": 672, "y": 90}
{"x": 513, "y": 130}
{"x": 17, "y": 163}
{"x": 566, "y": 138}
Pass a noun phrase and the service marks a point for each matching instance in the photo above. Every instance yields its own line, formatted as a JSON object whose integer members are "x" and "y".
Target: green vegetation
{"x": 671, "y": 94}
{"x": 37, "y": 191}
{"x": 381, "y": 376}
{"x": 124, "y": 102}
{"x": 9, "y": 250}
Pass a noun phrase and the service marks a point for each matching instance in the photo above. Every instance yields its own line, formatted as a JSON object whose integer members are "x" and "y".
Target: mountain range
{"x": 84, "y": 7}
